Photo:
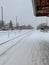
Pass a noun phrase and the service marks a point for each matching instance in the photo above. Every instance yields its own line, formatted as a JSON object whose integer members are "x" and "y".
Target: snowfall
{"x": 25, "y": 47}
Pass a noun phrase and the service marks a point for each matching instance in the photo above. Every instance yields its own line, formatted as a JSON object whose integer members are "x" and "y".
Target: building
{"x": 41, "y": 7}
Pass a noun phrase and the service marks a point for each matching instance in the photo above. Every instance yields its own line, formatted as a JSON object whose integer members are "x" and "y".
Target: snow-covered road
{"x": 33, "y": 49}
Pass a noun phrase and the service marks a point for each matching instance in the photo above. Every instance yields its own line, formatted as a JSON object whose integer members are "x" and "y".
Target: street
{"x": 31, "y": 50}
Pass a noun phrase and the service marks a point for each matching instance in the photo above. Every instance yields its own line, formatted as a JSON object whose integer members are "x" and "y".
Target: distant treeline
{"x": 10, "y": 26}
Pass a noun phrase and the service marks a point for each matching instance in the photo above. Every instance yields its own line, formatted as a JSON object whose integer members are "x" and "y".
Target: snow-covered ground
{"x": 9, "y": 43}
{"x": 8, "y": 35}
{"x": 32, "y": 48}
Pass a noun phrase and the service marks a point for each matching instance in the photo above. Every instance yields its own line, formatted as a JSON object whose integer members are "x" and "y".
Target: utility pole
{"x": 16, "y": 21}
{"x": 2, "y": 16}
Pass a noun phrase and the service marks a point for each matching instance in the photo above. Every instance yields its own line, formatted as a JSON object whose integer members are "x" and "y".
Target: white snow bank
{"x": 38, "y": 35}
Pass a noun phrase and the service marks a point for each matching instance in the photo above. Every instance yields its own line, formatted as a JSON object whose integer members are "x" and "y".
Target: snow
{"x": 32, "y": 48}
{"x": 7, "y": 35}
{"x": 7, "y": 45}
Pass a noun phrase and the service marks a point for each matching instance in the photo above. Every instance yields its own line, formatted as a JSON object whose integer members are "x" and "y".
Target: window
{"x": 42, "y": 7}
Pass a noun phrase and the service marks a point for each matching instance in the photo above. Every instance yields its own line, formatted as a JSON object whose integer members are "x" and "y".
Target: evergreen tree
{"x": 11, "y": 24}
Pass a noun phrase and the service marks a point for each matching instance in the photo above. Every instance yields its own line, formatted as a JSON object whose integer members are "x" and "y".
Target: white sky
{"x": 22, "y": 9}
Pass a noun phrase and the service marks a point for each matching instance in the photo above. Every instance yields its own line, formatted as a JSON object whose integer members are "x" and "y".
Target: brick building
{"x": 41, "y": 7}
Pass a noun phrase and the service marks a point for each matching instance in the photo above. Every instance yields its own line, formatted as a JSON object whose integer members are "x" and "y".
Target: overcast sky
{"x": 22, "y": 9}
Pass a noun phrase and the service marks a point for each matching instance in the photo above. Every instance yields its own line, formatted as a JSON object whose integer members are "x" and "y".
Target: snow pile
{"x": 37, "y": 34}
